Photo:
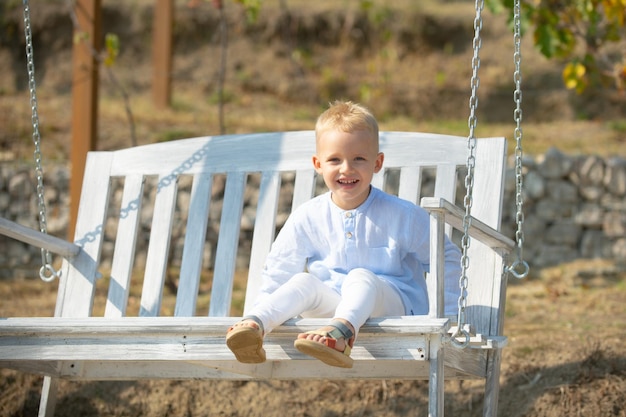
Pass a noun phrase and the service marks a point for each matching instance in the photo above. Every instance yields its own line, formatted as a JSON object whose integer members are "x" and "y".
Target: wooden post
{"x": 162, "y": 52}
{"x": 87, "y": 40}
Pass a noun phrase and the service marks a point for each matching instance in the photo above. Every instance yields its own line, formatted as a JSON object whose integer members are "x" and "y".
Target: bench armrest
{"x": 37, "y": 238}
{"x": 478, "y": 230}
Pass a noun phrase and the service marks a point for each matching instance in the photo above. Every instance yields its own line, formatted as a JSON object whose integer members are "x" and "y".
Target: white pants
{"x": 363, "y": 295}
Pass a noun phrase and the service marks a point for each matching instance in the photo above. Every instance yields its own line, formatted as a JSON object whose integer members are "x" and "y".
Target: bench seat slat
{"x": 186, "y": 339}
{"x": 300, "y": 369}
{"x": 100, "y": 326}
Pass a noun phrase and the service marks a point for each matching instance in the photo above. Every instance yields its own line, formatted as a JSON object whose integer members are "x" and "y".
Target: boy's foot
{"x": 245, "y": 340}
{"x": 331, "y": 344}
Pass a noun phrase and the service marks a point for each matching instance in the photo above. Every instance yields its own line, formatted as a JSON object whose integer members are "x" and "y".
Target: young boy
{"x": 365, "y": 252}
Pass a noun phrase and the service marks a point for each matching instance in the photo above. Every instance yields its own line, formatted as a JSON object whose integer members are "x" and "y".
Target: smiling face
{"x": 347, "y": 161}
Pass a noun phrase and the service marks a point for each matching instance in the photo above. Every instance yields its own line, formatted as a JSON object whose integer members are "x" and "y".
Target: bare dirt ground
{"x": 566, "y": 354}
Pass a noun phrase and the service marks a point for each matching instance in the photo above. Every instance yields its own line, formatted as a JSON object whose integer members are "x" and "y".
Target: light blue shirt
{"x": 386, "y": 235}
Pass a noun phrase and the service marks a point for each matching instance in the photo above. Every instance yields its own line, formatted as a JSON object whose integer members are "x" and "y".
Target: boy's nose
{"x": 346, "y": 167}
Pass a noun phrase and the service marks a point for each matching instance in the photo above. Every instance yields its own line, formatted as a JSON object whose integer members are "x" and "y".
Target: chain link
{"x": 472, "y": 122}
{"x": 47, "y": 272}
{"x": 519, "y": 268}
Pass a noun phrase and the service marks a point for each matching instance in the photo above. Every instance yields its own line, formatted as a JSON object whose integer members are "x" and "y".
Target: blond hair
{"x": 347, "y": 117}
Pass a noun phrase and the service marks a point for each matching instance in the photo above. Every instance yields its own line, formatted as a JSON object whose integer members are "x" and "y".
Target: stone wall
{"x": 574, "y": 208}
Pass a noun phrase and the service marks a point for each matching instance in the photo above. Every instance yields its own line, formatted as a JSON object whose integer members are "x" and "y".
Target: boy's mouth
{"x": 347, "y": 182}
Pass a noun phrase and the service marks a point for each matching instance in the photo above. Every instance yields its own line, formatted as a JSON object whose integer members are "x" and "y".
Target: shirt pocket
{"x": 384, "y": 261}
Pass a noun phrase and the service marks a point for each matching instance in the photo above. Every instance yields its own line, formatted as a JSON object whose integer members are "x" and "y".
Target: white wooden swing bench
{"x": 74, "y": 345}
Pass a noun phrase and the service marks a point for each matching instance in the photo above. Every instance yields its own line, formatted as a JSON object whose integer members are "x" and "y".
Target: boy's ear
{"x": 380, "y": 158}
{"x": 317, "y": 164}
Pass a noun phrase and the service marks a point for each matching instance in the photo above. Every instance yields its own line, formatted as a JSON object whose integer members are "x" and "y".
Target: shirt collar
{"x": 363, "y": 207}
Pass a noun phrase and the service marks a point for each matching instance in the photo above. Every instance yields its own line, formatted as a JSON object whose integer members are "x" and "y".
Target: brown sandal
{"x": 325, "y": 351}
{"x": 246, "y": 342}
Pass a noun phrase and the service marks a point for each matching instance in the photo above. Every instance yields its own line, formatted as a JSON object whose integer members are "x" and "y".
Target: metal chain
{"x": 461, "y": 331}
{"x": 47, "y": 271}
{"x": 519, "y": 268}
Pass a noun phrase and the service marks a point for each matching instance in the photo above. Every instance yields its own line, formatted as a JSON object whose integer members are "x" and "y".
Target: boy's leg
{"x": 365, "y": 295}
{"x": 304, "y": 294}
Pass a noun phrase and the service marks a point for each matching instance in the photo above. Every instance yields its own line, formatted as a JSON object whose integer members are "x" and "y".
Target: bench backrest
{"x": 274, "y": 159}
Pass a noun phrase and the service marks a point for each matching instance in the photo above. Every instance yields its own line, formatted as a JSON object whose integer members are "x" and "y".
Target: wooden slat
{"x": 77, "y": 289}
{"x": 410, "y": 185}
{"x": 445, "y": 187}
{"x": 264, "y": 230}
{"x": 478, "y": 230}
{"x": 378, "y": 181}
{"x": 38, "y": 239}
{"x": 294, "y": 369}
{"x": 445, "y": 181}
{"x": 195, "y": 237}
{"x": 125, "y": 243}
{"x": 304, "y": 187}
{"x": 162, "y": 339}
{"x": 139, "y": 347}
{"x": 158, "y": 249}
{"x": 281, "y": 151}
{"x": 300, "y": 368}
{"x": 102, "y": 327}
{"x": 489, "y": 181}
{"x": 489, "y": 187}
{"x": 435, "y": 281}
{"x": 228, "y": 241}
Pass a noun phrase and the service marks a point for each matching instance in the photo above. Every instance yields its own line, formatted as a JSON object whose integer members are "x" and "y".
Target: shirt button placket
{"x": 349, "y": 230}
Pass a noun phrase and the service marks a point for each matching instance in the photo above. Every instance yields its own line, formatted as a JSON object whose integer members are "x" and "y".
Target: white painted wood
{"x": 478, "y": 229}
{"x": 435, "y": 278}
{"x": 296, "y": 368}
{"x": 43, "y": 327}
{"x": 303, "y": 188}
{"x": 158, "y": 248}
{"x": 264, "y": 230}
{"x": 445, "y": 187}
{"x": 492, "y": 384}
{"x": 125, "y": 243}
{"x": 48, "y": 400}
{"x": 227, "y": 244}
{"x": 436, "y": 378}
{"x": 76, "y": 346}
{"x": 37, "y": 238}
{"x": 410, "y": 184}
{"x": 195, "y": 237}
{"x": 445, "y": 182}
{"x": 77, "y": 284}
